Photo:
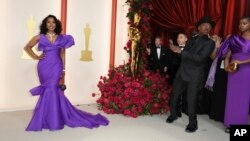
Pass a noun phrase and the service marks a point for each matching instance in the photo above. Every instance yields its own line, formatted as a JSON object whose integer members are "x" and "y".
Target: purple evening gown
{"x": 238, "y": 88}
{"x": 53, "y": 109}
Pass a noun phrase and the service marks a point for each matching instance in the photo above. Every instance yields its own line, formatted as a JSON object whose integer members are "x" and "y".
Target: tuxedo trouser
{"x": 192, "y": 90}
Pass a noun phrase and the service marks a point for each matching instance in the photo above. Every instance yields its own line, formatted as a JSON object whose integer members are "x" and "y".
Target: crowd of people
{"x": 208, "y": 76}
{"x": 202, "y": 59}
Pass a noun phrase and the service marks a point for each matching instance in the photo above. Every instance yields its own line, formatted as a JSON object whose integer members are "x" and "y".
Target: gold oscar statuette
{"x": 86, "y": 54}
{"x": 31, "y": 32}
{"x": 135, "y": 36}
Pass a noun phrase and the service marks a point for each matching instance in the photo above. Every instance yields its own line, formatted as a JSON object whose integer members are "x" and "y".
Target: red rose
{"x": 140, "y": 110}
{"x": 142, "y": 101}
{"x": 136, "y": 84}
{"x": 154, "y": 110}
{"x": 106, "y": 101}
{"x": 156, "y": 105}
{"x": 127, "y": 112}
{"x": 133, "y": 115}
{"x": 146, "y": 73}
{"x": 134, "y": 110}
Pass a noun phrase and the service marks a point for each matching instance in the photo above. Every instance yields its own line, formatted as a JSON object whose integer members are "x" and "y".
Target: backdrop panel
{"x": 82, "y": 76}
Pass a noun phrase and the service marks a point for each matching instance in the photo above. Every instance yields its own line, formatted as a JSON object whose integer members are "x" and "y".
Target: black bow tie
{"x": 158, "y": 47}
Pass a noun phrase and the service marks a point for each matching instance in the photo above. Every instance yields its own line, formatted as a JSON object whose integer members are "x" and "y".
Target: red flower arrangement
{"x": 145, "y": 94}
{"x": 122, "y": 94}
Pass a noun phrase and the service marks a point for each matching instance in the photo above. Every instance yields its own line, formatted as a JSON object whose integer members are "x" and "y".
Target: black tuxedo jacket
{"x": 175, "y": 57}
{"x": 195, "y": 59}
{"x": 163, "y": 61}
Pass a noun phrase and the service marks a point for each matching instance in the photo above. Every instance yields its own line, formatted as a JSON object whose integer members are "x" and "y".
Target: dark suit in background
{"x": 174, "y": 65}
{"x": 191, "y": 74}
{"x": 158, "y": 63}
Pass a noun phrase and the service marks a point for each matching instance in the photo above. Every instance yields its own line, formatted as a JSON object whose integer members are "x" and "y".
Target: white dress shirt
{"x": 158, "y": 52}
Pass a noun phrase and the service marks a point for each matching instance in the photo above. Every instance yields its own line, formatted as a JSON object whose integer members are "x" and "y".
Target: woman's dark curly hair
{"x": 43, "y": 26}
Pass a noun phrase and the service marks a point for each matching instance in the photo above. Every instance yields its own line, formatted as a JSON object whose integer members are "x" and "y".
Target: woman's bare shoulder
{"x": 36, "y": 37}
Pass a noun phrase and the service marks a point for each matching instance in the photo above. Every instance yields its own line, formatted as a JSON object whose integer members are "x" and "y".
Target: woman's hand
{"x": 242, "y": 62}
{"x": 30, "y": 45}
{"x": 42, "y": 56}
{"x": 229, "y": 69}
{"x": 236, "y": 61}
{"x": 217, "y": 39}
{"x": 233, "y": 66}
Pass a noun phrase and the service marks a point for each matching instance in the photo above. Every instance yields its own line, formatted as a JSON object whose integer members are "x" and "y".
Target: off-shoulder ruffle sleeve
{"x": 67, "y": 41}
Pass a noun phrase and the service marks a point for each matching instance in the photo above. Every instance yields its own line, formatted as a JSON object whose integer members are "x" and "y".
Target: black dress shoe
{"x": 179, "y": 114}
{"x": 191, "y": 128}
{"x": 171, "y": 119}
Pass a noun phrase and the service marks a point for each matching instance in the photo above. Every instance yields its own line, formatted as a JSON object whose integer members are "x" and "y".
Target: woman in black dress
{"x": 218, "y": 96}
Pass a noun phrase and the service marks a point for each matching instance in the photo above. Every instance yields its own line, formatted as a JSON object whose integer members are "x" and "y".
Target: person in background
{"x": 237, "y": 64}
{"x": 158, "y": 57}
{"x": 236, "y": 50}
{"x": 175, "y": 57}
{"x": 175, "y": 63}
{"x": 218, "y": 95}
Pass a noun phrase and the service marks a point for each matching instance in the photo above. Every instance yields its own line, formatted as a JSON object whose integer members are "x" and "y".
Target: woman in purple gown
{"x": 53, "y": 109}
{"x": 237, "y": 64}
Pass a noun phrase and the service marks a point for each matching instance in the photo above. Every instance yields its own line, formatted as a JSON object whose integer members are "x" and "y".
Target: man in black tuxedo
{"x": 175, "y": 57}
{"x": 191, "y": 74}
{"x": 158, "y": 57}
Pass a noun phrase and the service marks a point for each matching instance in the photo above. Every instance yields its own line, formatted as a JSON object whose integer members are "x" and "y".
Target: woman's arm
{"x": 241, "y": 62}
{"x": 62, "y": 53}
{"x": 213, "y": 55}
{"x": 30, "y": 45}
{"x": 245, "y": 61}
{"x": 217, "y": 41}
